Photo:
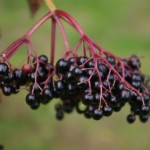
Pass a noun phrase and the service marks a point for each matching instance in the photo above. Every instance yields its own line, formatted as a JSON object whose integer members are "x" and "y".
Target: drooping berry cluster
{"x": 10, "y": 81}
{"x": 82, "y": 80}
{"x": 95, "y": 84}
{"x": 35, "y": 77}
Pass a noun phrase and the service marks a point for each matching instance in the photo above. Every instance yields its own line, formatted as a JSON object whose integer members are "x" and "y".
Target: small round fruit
{"x": 107, "y": 111}
{"x": 31, "y": 99}
{"x": 43, "y": 59}
{"x": 35, "y": 106}
{"x": 7, "y": 90}
{"x": 60, "y": 86}
{"x": 144, "y": 118}
{"x": 97, "y": 114}
{"x": 3, "y": 69}
{"x": 131, "y": 118}
{"x": 88, "y": 99}
{"x": 26, "y": 68}
{"x": 62, "y": 66}
{"x": 145, "y": 110}
{"x": 47, "y": 96}
{"x": 59, "y": 115}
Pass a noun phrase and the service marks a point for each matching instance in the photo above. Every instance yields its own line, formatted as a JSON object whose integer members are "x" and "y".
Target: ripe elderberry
{"x": 3, "y": 69}
{"x": 131, "y": 118}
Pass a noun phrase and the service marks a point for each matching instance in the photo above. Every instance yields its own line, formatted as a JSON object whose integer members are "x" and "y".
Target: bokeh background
{"x": 123, "y": 27}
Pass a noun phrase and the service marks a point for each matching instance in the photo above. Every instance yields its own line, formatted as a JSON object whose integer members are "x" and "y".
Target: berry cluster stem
{"x": 53, "y": 38}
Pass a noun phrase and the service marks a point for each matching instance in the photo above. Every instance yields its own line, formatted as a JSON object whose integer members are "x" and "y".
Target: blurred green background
{"x": 123, "y": 27}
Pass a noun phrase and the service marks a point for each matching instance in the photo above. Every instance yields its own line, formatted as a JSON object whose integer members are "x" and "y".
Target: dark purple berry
{"x": 49, "y": 68}
{"x": 15, "y": 88}
{"x": 145, "y": 110}
{"x": 103, "y": 69}
{"x": 144, "y": 118}
{"x": 81, "y": 60}
{"x": 18, "y": 76}
{"x": 136, "y": 85}
{"x": 107, "y": 111}
{"x": 82, "y": 82}
{"x": 96, "y": 98}
{"x": 77, "y": 71}
{"x": 134, "y": 62}
{"x": 7, "y": 79}
{"x": 125, "y": 95}
{"x": 131, "y": 118}
{"x": 113, "y": 101}
{"x": 69, "y": 76}
{"x": 35, "y": 88}
{"x": 88, "y": 99}
{"x": 60, "y": 86}
{"x": 90, "y": 64}
{"x": 111, "y": 60}
{"x": 35, "y": 106}
{"x": 136, "y": 78}
{"x": 43, "y": 59}
{"x": 62, "y": 66}
{"x": 72, "y": 60}
{"x": 47, "y": 96}
{"x": 59, "y": 115}
{"x": 88, "y": 114}
{"x": 7, "y": 90}
{"x": 97, "y": 114}
{"x": 71, "y": 88}
{"x": 3, "y": 68}
{"x": 31, "y": 99}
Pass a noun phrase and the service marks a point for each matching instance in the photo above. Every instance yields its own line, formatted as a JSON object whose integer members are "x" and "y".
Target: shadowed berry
{"x": 59, "y": 115}
{"x": 47, "y": 96}
{"x": 81, "y": 60}
{"x": 145, "y": 110}
{"x": 88, "y": 99}
{"x": 7, "y": 90}
{"x": 62, "y": 66}
{"x": 131, "y": 118}
{"x": 43, "y": 59}
{"x": 144, "y": 118}
{"x": 107, "y": 111}
{"x": 31, "y": 99}
{"x": 97, "y": 114}
{"x": 3, "y": 69}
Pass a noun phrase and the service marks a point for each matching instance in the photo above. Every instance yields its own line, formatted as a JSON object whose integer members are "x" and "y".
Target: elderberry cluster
{"x": 30, "y": 76}
{"x": 41, "y": 89}
{"x": 101, "y": 91}
{"x": 92, "y": 86}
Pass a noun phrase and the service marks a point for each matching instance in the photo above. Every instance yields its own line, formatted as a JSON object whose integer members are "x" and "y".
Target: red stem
{"x": 53, "y": 38}
{"x": 63, "y": 32}
{"x": 10, "y": 52}
{"x": 71, "y": 20}
{"x": 37, "y": 25}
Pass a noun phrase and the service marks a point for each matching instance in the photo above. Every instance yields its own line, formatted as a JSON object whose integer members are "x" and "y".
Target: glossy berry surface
{"x": 107, "y": 111}
{"x": 31, "y": 99}
{"x": 131, "y": 118}
{"x": 62, "y": 66}
{"x": 97, "y": 114}
{"x": 3, "y": 68}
